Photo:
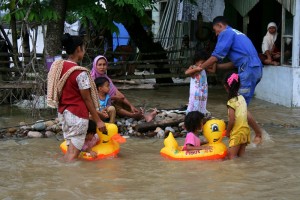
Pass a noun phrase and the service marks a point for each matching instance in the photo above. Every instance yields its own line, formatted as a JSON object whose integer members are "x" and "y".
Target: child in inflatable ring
{"x": 193, "y": 123}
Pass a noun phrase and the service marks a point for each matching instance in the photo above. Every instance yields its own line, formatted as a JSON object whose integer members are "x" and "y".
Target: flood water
{"x": 31, "y": 168}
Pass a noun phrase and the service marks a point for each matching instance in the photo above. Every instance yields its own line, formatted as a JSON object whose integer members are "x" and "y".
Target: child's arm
{"x": 193, "y": 70}
{"x": 190, "y": 147}
{"x": 231, "y": 120}
{"x": 203, "y": 143}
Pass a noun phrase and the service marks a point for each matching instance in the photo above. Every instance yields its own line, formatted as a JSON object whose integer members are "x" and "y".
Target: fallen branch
{"x": 147, "y": 126}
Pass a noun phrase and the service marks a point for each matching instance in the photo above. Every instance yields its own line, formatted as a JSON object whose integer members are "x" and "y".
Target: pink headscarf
{"x": 95, "y": 74}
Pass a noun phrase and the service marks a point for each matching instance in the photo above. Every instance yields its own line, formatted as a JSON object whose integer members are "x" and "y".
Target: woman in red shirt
{"x": 76, "y": 95}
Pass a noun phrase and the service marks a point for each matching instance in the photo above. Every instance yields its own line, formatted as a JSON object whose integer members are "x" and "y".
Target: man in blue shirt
{"x": 242, "y": 54}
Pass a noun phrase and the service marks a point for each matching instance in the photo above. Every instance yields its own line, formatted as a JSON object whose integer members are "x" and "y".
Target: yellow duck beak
{"x": 118, "y": 138}
{"x": 224, "y": 133}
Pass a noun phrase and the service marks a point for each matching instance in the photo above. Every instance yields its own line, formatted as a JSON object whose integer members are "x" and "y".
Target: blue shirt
{"x": 104, "y": 103}
{"x": 238, "y": 47}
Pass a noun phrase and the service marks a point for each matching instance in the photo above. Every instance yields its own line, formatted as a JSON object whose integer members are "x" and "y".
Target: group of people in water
{"x": 85, "y": 100}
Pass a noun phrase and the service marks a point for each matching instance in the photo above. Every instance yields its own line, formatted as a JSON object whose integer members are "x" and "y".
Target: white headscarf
{"x": 272, "y": 24}
{"x": 269, "y": 38}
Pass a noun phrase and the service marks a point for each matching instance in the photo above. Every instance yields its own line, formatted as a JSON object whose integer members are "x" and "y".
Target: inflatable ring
{"x": 213, "y": 130}
{"x": 108, "y": 146}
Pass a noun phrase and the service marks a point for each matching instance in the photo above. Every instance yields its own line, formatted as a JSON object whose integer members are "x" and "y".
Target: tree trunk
{"x": 26, "y": 44}
{"x": 55, "y": 29}
{"x": 9, "y": 45}
{"x": 145, "y": 43}
{"x": 4, "y": 60}
{"x": 13, "y": 25}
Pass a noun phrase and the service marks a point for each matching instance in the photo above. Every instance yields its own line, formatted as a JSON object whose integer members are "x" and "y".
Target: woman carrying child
{"x": 238, "y": 129}
{"x": 72, "y": 90}
{"x": 123, "y": 107}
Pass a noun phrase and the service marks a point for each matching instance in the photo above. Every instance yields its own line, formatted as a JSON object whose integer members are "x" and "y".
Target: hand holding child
{"x": 198, "y": 68}
{"x": 103, "y": 114}
{"x": 193, "y": 70}
{"x": 101, "y": 126}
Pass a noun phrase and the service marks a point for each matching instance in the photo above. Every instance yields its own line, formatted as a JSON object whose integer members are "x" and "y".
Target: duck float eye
{"x": 214, "y": 127}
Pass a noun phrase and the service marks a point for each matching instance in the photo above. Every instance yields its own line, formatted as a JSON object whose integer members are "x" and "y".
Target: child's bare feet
{"x": 149, "y": 117}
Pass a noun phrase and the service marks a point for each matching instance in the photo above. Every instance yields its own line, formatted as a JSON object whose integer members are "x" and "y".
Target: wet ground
{"x": 31, "y": 168}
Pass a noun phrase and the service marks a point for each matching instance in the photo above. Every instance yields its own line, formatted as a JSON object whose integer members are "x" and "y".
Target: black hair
{"x": 193, "y": 121}
{"x": 233, "y": 89}
{"x": 200, "y": 55}
{"x": 92, "y": 127}
{"x": 71, "y": 42}
{"x": 100, "y": 81}
{"x": 220, "y": 19}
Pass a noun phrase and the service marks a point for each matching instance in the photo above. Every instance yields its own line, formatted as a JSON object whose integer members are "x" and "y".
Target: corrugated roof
{"x": 289, "y": 5}
{"x": 244, "y": 6}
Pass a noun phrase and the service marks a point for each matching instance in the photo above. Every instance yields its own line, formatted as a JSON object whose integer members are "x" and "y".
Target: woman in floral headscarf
{"x": 123, "y": 107}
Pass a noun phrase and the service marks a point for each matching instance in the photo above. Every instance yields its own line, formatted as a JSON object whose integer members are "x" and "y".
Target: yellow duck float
{"x": 108, "y": 145}
{"x": 213, "y": 130}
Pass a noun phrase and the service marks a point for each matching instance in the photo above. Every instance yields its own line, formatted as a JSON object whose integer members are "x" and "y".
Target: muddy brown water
{"x": 31, "y": 168}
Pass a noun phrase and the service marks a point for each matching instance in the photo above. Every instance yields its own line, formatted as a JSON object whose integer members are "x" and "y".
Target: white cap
{"x": 272, "y": 24}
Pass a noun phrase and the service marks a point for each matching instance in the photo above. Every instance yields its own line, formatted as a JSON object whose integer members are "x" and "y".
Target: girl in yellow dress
{"x": 238, "y": 129}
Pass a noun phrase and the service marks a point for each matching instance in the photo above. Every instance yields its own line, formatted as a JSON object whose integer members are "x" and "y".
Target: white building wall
{"x": 281, "y": 85}
{"x": 296, "y": 87}
{"x": 276, "y": 85}
{"x": 295, "y": 56}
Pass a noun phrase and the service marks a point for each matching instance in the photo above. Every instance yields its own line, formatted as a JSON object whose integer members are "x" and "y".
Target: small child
{"x": 193, "y": 123}
{"x": 106, "y": 111}
{"x": 238, "y": 129}
{"x": 91, "y": 139}
{"x": 198, "y": 83}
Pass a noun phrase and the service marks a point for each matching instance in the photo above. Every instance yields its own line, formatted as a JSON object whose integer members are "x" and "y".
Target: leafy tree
{"x": 131, "y": 13}
{"x": 30, "y": 13}
{"x": 93, "y": 14}
{"x": 55, "y": 28}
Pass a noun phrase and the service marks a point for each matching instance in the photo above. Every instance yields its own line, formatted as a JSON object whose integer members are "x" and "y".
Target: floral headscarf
{"x": 95, "y": 74}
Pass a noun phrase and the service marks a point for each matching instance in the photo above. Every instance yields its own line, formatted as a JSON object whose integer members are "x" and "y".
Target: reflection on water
{"x": 31, "y": 169}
